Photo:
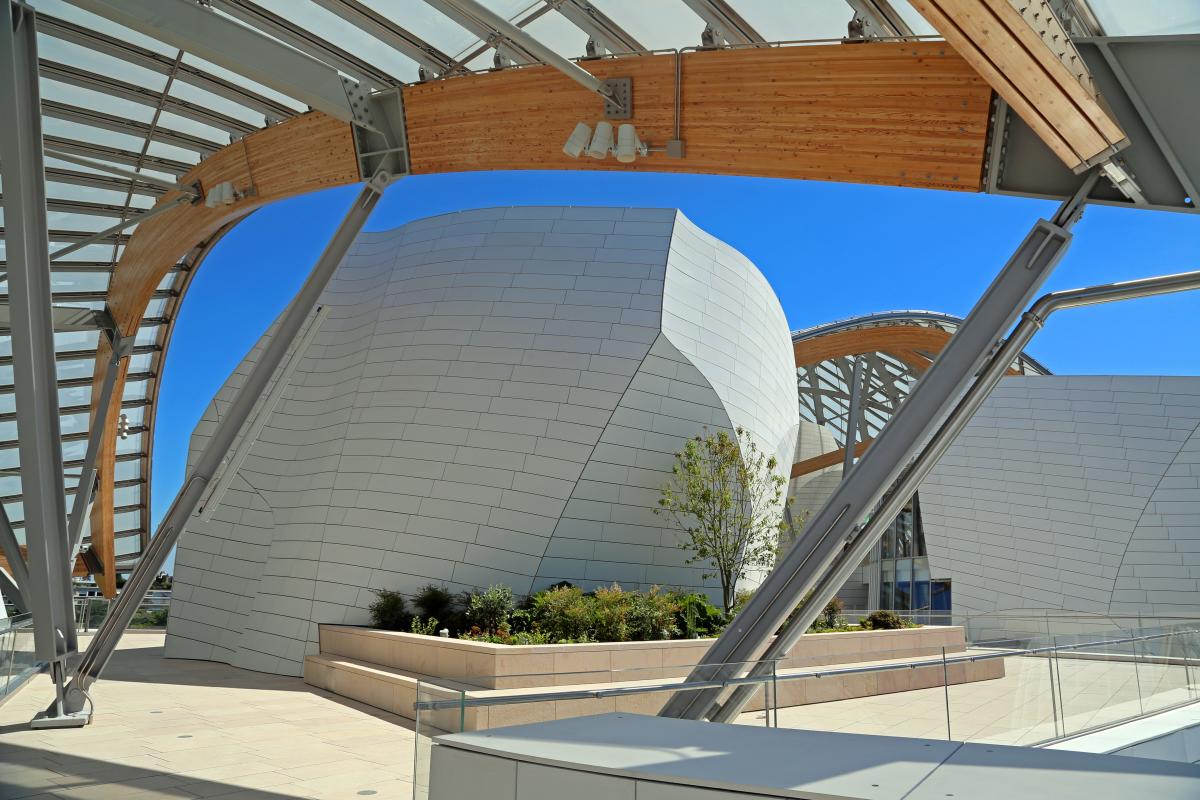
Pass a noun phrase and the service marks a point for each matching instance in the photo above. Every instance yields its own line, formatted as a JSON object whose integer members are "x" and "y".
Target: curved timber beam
{"x": 904, "y": 342}
{"x": 889, "y": 113}
{"x": 300, "y": 155}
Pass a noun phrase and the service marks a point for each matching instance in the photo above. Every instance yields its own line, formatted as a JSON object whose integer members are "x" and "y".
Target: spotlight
{"x": 123, "y": 426}
{"x": 222, "y": 194}
{"x": 629, "y": 146}
{"x": 578, "y": 140}
{"x": 602, "y": 140}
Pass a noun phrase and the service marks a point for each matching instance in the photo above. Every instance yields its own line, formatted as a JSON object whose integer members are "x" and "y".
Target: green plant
{"x": 389, "y": 611}
{"x": 651, "y": 615}
{"x": 563, "y": 614}
{"x": 425, "y": 627}
{"x": 432, "y": 600}
{"x": 490, "y": 609}
{"x": 727, "y": 498}
{"x": 884, "y": 621}
{"x": 832, "y": 613}
{"x": 697, "y": 617}
{"x": 149, "y": 619}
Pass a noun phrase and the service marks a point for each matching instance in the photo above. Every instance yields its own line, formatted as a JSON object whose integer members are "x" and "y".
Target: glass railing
{"x": 90, "y": 609}
{"x": 17, "y": 660}
{"x": 1043, "y": 691}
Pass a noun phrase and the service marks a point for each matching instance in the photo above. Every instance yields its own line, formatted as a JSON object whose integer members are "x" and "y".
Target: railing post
{"x": 946, "y": 690}
{"x": 1055, "y": 705}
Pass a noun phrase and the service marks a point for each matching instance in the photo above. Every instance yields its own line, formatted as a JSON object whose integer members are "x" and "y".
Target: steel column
{"x": 908, "y": 483}
{"x": 19, "y": 570}
{"x": 121, "y": 347}
{"x": 852, "y": 413}
{"x": 218, "y": 446}
{"x": 834, "y": 528}
{"x": 48, "y": 589}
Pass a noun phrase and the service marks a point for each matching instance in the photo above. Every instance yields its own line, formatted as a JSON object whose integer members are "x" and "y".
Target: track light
{"x": 123, "y": 426}
{"x": 629, "y": 146}
{"x": 599, "y": 143}
{"x": 578, "y": 140}
{"x": 602, "y": 140}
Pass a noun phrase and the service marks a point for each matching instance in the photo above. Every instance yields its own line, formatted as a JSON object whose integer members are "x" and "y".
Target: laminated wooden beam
{"x": 1028, "y": 67}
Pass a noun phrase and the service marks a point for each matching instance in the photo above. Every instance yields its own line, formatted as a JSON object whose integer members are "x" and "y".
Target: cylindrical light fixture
{"x": 602, "y": 140}
{"x": 578, "y": 140}
{"x": 628, "y": 144}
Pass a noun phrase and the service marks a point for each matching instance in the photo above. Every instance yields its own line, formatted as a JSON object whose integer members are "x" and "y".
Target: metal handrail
{"x": 583, "y": 694}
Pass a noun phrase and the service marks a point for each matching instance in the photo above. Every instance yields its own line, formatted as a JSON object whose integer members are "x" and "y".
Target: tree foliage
{"x": 727, "y": 498}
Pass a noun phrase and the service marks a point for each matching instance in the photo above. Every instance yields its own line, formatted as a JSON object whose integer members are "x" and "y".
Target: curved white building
{"x": 492, "y": 396}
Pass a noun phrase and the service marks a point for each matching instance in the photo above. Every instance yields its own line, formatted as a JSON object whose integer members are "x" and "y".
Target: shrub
{"x": 883, "y": 621}
{"x": 426, "y": 627}
{"x": 696, "y": 616}
{"x": 149, "y": 619}
{"x": 438, "y": 602}
{"x": 490, "y": 609}
{"x": 389, "y": 611}
{"x": 609, "y": 612}
{"x": 832, "y": 613}
{"x": 562, "y": 614}
{"x": 651, "y": 615}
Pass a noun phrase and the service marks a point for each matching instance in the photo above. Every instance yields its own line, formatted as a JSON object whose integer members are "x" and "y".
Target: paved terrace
{"x": 182, "y": 729}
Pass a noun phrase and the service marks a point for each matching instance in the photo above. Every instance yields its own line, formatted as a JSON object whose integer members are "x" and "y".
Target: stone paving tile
{"x": 177, "y": 730}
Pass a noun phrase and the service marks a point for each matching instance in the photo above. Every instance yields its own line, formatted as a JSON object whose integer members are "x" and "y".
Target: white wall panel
{"x": 494, "y": 397}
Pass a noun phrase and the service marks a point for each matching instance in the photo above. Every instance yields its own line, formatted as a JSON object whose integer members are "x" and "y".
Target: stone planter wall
{"x": 389, "y": 669}
{"x": 499, "y": 666}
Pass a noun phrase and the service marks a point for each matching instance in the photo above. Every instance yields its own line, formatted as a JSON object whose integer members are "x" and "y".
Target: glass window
{"x": 903, "y": 600}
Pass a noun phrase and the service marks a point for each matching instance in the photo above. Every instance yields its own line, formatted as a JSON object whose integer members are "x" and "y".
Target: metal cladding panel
{"x": 1146, "y": 82}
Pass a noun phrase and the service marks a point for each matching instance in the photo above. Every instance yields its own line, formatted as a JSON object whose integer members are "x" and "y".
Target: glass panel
{"x": 156, "y": 307}
{"x": 140, "y": 362}
{"x": 75, "y": 368}
{"x": 1098, "y": 679}
{"x": 1002, "y": 700}
{"x": 79, "y": 281}
{"x": 1162, "y": 671}
{"x": 127, "y": 470}
{"x": 74, "y": 423}
{"x": 127, "y": 545}
{"x": 127, "y": 496}
{"x": 903, "y": 601}
{"x": 130, "y": 444}
{"x": 940, "y": 595}
{"x": 146, "y": 335}
{"x": 127, "y": 520}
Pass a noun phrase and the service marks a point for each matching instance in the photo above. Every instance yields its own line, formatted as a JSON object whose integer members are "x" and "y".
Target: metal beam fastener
{"x": 218, "y": 446}
{"x": 832, "y": 528}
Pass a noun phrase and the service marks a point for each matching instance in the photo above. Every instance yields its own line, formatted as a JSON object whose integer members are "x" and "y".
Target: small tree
{"x": 727, "y": 498}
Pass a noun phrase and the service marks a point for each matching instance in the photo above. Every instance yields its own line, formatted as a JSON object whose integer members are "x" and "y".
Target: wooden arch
{"x": 889, "y": 113}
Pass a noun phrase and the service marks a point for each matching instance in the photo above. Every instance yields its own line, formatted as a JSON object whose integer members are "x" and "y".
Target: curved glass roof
{"x": 824, "y": 387}
{"x": 119, "y": 98}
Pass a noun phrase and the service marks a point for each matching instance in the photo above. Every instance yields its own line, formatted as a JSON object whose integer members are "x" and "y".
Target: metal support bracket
{"x": 380, "y": 139}
{"x": 619, "y": 101}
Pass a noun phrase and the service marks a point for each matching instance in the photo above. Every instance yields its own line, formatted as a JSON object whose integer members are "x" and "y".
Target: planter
{"x": 383, "y": 668}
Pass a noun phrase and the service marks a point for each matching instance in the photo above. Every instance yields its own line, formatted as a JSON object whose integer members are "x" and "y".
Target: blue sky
{"x": 830, "y": 250}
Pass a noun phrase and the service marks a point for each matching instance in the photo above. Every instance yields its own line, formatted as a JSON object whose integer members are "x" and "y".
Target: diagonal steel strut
{"x": 214, "y": 452}
{"x": 835, "y": 526}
